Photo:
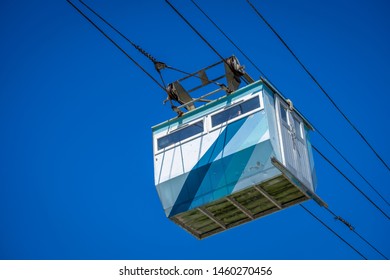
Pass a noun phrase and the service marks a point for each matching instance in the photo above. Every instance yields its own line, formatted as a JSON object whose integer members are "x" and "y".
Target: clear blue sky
{"x": 76, "y": 163}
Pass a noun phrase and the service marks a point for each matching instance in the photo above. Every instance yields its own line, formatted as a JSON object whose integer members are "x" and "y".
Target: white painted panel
{"x": 164, "y": 161}
{"x": 176, "y": 166}
{"x": 192, "y": 152}
{"x": 157, "y": 168}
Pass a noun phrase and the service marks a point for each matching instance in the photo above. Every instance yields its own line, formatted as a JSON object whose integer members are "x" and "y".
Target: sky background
{"x": 76, "y": 162}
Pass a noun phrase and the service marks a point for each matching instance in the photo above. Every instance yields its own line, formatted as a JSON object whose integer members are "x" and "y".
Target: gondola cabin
{"x": 234, "y": 159}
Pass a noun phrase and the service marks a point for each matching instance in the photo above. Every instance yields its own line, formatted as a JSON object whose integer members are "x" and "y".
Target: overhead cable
{"x": 158, "y": 65}
{"x": 228, "y": 38}
{"x": 350, "y": 181}
{"x": 335, "y": 233}
{"x": 352, "y": 228}
{"x": 320, "y": 87}
{"x": 353, "y": 167}
{"x": 197, "y": 32}
{"x": 116, "y": 45}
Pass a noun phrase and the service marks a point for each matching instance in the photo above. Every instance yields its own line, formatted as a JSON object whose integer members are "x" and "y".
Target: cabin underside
{"x": 244, "y": 206}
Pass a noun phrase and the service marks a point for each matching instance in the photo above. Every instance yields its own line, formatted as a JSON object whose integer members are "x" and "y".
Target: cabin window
{"x": 283, "y": 113}
{"x": 180, "y": 135}
{"x": 298, "y": 130}
{"x": 235, "y": 111}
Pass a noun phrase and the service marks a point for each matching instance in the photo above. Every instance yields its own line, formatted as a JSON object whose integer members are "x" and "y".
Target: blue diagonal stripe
{"x": 197, "y": 174}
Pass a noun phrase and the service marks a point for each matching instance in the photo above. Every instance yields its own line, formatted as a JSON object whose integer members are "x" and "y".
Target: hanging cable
{"x": 352, "y": 183}
{"x": 325, "y": 225}
{"x": 157, "y": 64}
{"x": 352, "y": 228}
{"x": 160, "y": 65}
{"x": 198, "y": 33}
{"x": 228, "y": 38}
{"x": 116, "y": 45}
{"x": 320, "y": 87}
{"x": 350, "y": 164}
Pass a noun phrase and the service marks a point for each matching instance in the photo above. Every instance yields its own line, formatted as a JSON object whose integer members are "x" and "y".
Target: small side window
{"x": 298, "y": 130}
{"x": 235, "y": 111}
{"x": 283, "y": 113}
{"x": 180, "y": 135}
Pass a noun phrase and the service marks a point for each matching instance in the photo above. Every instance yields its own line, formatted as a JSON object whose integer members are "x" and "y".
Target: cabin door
{"x": 294, "y": 149}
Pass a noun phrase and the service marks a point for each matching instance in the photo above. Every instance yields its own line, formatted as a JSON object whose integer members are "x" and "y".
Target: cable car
{"x": 236, "y": 158}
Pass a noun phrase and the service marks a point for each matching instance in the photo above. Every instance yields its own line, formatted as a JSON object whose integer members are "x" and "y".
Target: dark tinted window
{"x": 235, "y": 111}
{"x": 180, "y": 135}
{"x": 283, "y": 113}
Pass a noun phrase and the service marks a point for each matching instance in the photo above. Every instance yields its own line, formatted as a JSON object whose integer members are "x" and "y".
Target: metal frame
{"x": 202, "y": 76}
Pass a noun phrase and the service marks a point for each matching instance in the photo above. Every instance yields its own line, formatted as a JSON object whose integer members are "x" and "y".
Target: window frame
{"x": 299, "y": 134}
{"x": 178, "y": 129}
{"x": 283, "y": 108}
{"x": 238, "y": 102}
